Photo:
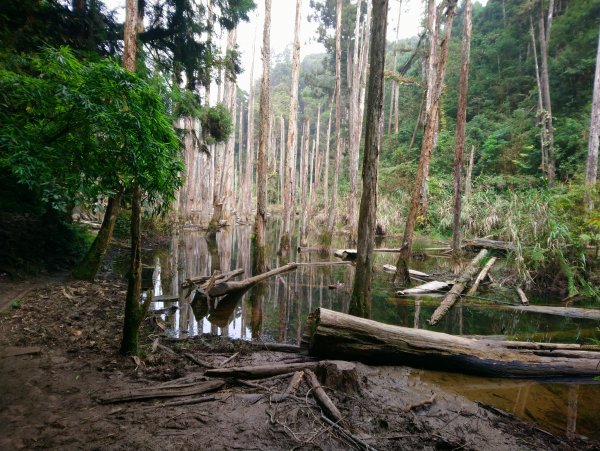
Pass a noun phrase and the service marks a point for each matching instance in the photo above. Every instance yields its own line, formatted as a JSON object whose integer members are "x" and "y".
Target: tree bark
{"x": 249, "y": 168}
{"x": 402, "y": 276}
{"x": 338, "y": 123}
{"x": 461, "y": 122}
{"x": 591, "y": 170}
{"x": 304, "y": 182}
{"x": 289, "y": 207}
{"x": 326, "y": 157}
{"x": 361, "y": 291}
{"x": 259, "y": 255}
{"x": 342, "y": 336}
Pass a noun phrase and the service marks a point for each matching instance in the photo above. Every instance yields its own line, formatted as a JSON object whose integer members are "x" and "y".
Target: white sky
{"x": 282, "y": 29}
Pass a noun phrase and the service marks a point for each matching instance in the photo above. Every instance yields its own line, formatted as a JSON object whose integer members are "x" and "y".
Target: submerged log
{"x": 342, "y": 336}
{"x": 568, "y": 312}
{"x": 429, "y": 287}
{"x": 412, "y": 272}
{"x": 458, "y": 288}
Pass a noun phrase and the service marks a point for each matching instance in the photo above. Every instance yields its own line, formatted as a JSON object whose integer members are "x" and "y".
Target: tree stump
{"x": 339, "y": 375}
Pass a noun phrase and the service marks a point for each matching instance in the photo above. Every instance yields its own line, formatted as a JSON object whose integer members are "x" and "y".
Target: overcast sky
{"x": 282, "y": 29}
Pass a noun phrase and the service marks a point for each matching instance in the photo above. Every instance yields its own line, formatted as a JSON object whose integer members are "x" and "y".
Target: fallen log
{"x": 481, "y": 276}
{"x": 341, "y": 336}
{"x": 568, "y": 312}
{"x": 429, "y": 287}
{"x": 412, "y": 272}
{"x": 485, "y": 243}
{"x": 457, "y": 289}
{"x": 199, "y": 280}
{"x": 324, "y": 401}
{"x": 227, "y": 287}
{"x": 258, "y": 372}
{"x": 522, "y": 296}
{"x": 174, "y": 391}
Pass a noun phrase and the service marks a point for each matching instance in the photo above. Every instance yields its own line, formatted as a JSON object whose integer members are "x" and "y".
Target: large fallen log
{"x": 227, "y": 287}
{"x": 568, "y": 312}
{"x": 341, "y": 336}
{"x": 429, "y": 287}
{"x": 457, "y": 288}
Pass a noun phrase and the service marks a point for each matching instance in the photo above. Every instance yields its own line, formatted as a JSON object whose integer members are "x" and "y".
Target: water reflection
{"x": 276, "y": 309}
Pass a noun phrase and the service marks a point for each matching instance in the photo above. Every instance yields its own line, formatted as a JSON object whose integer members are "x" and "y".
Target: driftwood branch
{"x": 481, "y": 276}
{"x": 324, "y": 401}
{"x": 458, "y": 288}
{"x": 258, "y": 372}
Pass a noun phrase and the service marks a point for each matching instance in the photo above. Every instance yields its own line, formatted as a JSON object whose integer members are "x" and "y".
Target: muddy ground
{"x": 70, "y": 331}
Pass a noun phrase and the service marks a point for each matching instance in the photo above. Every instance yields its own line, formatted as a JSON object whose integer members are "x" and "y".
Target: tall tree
{"x": 338, "y": 123}
{"x": 361, "y": 291}
{"x": 432, "y": 116}
{"x": 249, "y": 168}
{"x": 134, "y": 309}
{"x": 264, "y": 118}
{"x": 289, "y": 204}
{"x": 461, "y": 121}
{"x": 591, "y": 171}
{"x": 544, "y": 37}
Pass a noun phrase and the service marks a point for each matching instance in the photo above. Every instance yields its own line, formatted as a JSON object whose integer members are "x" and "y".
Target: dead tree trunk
{"x": 338, "y": 123}
{"x": 326, "y": 170}
{"x": 591, "y": 171}
{"x": 259, "y": 254}
{"x": 249, "y": 168}
{"x": 544, "y": 38}
{"x": 461, "y": 122}
{"x": 402, "y": 276}
{"x": 289, "y": 208}
{"x": 468, "y": 178}
{"x": 361, "y": 291}
{"x": 304, "y": 182}
{"x": 281, "y": 159}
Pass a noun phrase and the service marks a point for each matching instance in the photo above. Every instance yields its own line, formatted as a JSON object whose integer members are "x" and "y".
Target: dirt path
{"x": 49, "y": 400}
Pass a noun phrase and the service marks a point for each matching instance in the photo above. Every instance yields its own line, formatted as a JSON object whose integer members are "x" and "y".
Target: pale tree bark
{"x": 540, "y": 113}
{"x": 361, "y": 292}
{"x": 544, "y": 38}
{"x": 289, "y": 208}
{"x": 249, "y": 168}
{"x": 264, "y": 134}
{"x": 591, "y": 171}
{"x": 241, "y": 177}
{"x": 281, "y": 159}
{"x": 354, "y": 126}
{"x": 338, "y": 124}
{"x": 326, "y": 157}
{"x": 318, "y": 159}
{"x": 461, "y": 120}
{"x": 432, "y": 116}
{"x": 304, "y": 182}
{"x": 395, "y": 84}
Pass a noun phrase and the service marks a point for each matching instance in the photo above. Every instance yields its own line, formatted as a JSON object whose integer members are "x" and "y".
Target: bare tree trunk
{"x": 432, "y": 116}
{"x": 326, "y": 170}
{"x": 338, "y": 123}
{"x": 289, "y": 208}
{"x": 540, "y": 114}
{"x": 396, "y": 85}
{"x": 361, "y": 292}
{"x": 241, "y": 174}
{"x": 469, "y": 176}
{"x": 354, "y": 127}
{"x": 461, "y": 120}
{"x": 544, "y": 39}
{"x": 591, "y": 170}
{"x": 304, "y": 182}
{"x": 264, "y": 133}
{"x": 318, "y": 158}
{"x": 281, "y": 159}
{"x": 249, "y": 168}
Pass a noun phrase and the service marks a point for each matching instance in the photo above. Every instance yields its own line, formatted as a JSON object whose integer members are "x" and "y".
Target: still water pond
{"x": 275, "y": 310}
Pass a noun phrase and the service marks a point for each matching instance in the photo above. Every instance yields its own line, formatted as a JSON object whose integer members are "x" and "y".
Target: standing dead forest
{"x": 312, "y": 224}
